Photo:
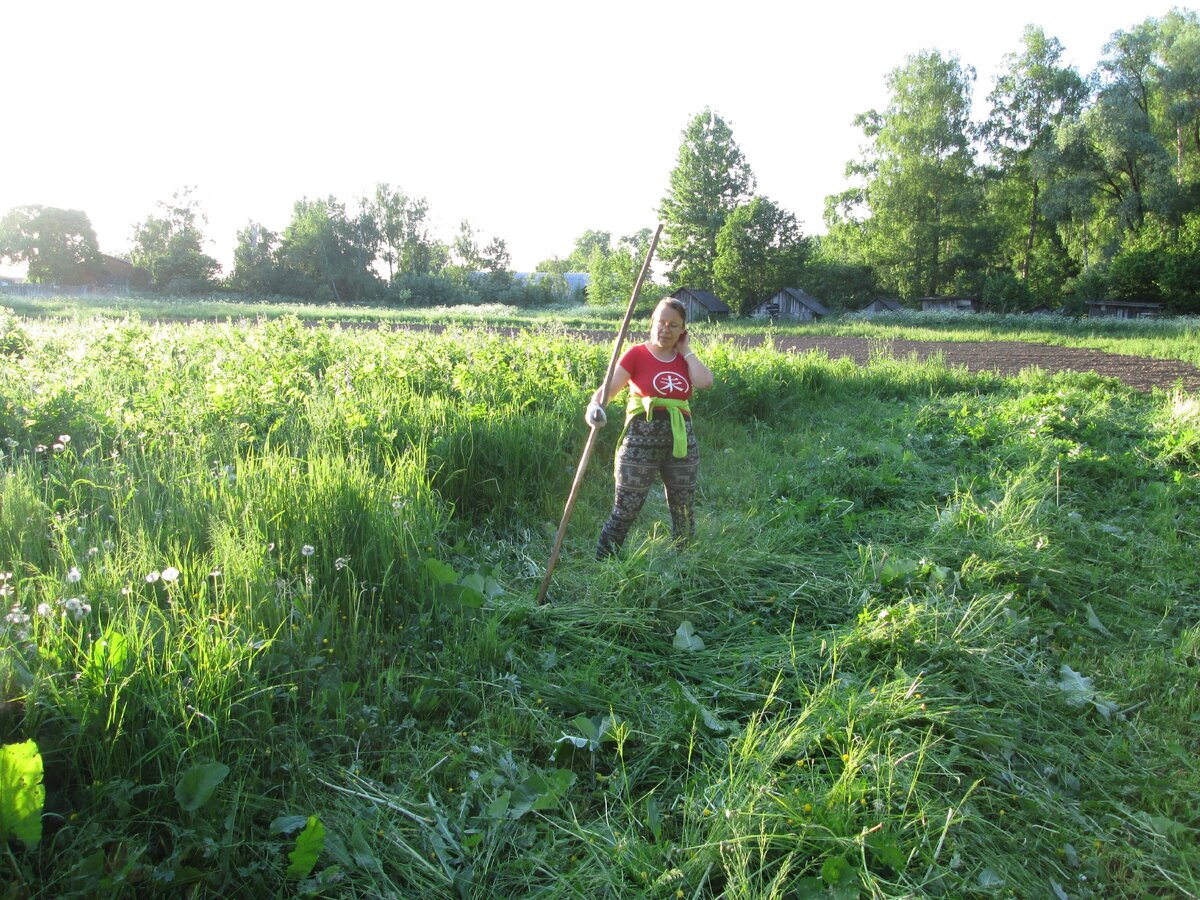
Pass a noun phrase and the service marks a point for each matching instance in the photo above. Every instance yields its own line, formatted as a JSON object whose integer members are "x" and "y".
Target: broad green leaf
{"x": 541, "y": 791}
{"x": 654, "y": 817}
{"x": 884, "y": 848}
{"x": 499, "y": 806}
{"x": 686, "y": 637}
{"x": 22, "y": 794}
{"x": 198, "y": 783}
{"x": 309, "y": 845}
{"x": 443, "y": 573}
{"x": 109, "y": 657}
{"x": 1094, "y": 621}
{"x": 989, "y": 879}
{"x": 837, "y": 871}
{"x": 288, "y": 824}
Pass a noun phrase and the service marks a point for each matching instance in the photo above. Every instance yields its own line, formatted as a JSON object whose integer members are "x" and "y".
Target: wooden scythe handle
{"x": 591, "y": 441}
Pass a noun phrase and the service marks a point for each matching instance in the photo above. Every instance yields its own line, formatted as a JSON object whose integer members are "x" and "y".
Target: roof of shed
{"x": 807, "y": 299}
{"x": 707, "y": 299}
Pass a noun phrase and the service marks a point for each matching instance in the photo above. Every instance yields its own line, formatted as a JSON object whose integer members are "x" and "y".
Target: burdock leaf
{"x": 22, "y": 794}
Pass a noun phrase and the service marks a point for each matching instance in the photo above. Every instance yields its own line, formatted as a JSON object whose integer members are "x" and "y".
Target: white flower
{"x": 92, "y": 551}
{"x": 153, "y": 577}
{"x": 64, "y": 439}
{"x": 5, "y": 590}
{"x": 341, "y": 562}
{"x": 44, "y": 609}
{"x": 307, "y": 550}
{"x": 108, "y": 545}
{"x": 73, "y": 575}
{"x": 170, "y": 573}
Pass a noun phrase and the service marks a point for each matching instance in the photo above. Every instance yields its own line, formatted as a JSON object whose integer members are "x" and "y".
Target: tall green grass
{"x": 937, "y": 634}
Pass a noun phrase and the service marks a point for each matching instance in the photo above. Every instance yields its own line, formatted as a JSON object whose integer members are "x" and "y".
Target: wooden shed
{"x": 790, "y": 303}
{"x": 952, "y": 304}
{"x": 882, "y": 305}
{"x": 1123, "y": 309}
{"x": 701, "y": 304}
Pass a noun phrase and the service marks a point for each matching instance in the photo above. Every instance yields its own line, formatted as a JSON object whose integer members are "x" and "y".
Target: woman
{"x": 658, "y": 438}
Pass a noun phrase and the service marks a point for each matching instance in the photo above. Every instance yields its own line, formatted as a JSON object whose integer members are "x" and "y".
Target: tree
{"x": 254, "y": 260}
{"x": 330, "y": 251}
{"x": 760, "y": 251}
{"x": 1032, "y": 97}
{"x": 59, "y": 245}
{"x": 708, "y": 182}
{"x": 170, "y": 246}
{"x": 1178, "y": 72}
{"x": 406, "y": 244}
{"x": 914, "y": 218}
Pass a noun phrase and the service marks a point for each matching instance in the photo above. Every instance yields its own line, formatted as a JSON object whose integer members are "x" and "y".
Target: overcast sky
{"x": 533, "y": 120}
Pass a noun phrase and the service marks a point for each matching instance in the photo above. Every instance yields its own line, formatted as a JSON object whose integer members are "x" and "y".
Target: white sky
{"x": 534, "y": 120}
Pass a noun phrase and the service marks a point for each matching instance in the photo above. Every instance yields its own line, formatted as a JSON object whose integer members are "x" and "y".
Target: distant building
{"x": 790, "y": 303}
{"x": 1123, "y": 309}
{"x": 577, "y": 282}
{"x": 701, "y": 304}
{"x": 120, "y": 273}
{"x": 951, "y": 304}
{"x": 882, "y": 305}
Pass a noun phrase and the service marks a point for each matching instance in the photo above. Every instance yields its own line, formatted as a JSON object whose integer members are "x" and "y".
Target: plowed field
{"x": 1010, "y": 357}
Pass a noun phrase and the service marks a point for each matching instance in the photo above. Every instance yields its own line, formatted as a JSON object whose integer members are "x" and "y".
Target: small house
{"x": 882, "y": 305}
{"x": 951, "y": 304}
{"x": 790, "y": 303}
{"x": 701, "y": 304}
{"x": 1123, "y": 309}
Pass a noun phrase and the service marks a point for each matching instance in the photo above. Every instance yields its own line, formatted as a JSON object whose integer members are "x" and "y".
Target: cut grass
{"x": 948, "y": 623}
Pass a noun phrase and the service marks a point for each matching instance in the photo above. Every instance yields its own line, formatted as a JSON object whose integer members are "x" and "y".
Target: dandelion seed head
{"x": 170, "y": 573}
{"x": 73, "y": 575}
{"x": 64, "y": 439}
{"x": 152, "y": 577}
{"x": 44, "y": 609}
{"x": 307, "y": 550}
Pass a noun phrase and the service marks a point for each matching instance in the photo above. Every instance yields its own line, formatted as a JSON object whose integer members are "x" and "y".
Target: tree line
{"x": 1072, "y": 187}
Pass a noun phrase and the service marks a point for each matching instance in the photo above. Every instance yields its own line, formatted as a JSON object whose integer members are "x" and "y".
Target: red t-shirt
{"x": 651, "y": 377}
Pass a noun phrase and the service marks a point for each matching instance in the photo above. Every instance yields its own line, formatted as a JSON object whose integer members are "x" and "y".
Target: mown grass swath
{"x": 270, "y": 624}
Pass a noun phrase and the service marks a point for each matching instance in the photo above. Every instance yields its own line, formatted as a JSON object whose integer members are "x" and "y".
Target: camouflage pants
{"x": 645, "y": 453}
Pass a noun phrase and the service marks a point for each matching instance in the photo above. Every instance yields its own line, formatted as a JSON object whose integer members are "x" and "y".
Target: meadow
{"x": 271, "y": 631}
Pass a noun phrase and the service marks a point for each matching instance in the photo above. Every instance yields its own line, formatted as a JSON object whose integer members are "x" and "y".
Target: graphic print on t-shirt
{"x": 670, "y": 383}
{"x": 650, "y": 376}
